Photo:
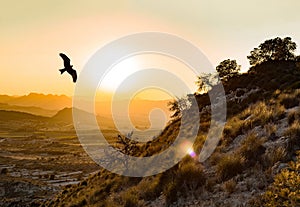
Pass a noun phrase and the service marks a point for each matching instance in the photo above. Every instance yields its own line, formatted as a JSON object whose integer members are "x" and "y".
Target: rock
{"x": 278, "y": 167}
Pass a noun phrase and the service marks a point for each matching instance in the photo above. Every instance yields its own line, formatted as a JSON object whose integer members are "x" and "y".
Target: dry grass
{"x": 251, "y": 148}
{"x": 130, "y": 198}
{"x": 170, "y": 191}
{"x": 293, "y": 133}
{"x": 293, "y": 116}
{"x": 289, "y": 100}
{"x": 229, "y": 166}
{"x": 150, "y": 188}
{"x": 274, "y": 155}
{"x": 215, "y": 158}
{"x": 270, "y": 129}
{"x": 262, "y": 113}
{"x": 191, "y": 176}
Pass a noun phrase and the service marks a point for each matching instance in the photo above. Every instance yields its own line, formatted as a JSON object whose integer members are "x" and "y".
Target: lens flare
{"x": 191, "y": 153}
{"x": 187, "y": 148}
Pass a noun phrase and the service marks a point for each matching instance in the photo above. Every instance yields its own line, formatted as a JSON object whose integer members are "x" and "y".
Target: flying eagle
{"x": 68, "y": 67}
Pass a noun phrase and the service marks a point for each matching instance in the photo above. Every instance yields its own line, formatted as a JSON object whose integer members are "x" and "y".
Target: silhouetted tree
{"x": 228, "y": 69}
{"x": 273, "y": 49}
{"x": 177, "y": 106}
{"x": 174, "y": 107}
{"x": 206, "y": 81}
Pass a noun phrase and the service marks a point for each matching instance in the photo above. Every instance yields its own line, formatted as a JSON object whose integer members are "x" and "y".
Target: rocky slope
{"x": 260, "y": 138}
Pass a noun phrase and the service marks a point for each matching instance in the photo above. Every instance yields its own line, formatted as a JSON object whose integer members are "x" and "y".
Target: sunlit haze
{"x": 33, "y": 33}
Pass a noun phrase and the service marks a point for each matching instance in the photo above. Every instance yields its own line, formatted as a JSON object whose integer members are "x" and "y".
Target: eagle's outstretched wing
{"x": 66, "y": 60}
{"x": 74, "y": 75}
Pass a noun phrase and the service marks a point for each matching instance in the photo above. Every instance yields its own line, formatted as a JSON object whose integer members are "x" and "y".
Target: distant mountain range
{"x": 63, "y": 116}
{"x": 49, "y": 102}
{"x": 59, "y": 108}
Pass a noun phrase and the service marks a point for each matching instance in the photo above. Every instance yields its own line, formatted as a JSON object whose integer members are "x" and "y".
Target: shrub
{"x": 229, "y": 166}
{"x": 252, "y": 148}
{"x": 185, "y": 180}
{"x": 191, "y": 176}
{"x": 83, "y": 183}
{"x": 293, "y": 132}
{"x": 130, "y": 198}
{"x": 289, "y": 101}
{"x": 270, "y": 129}
{"x": 4, "y": 171}
{"x": 285, "y": 191}
{"x": 275, "y": 155}
{"x": 229, "y": 186}
{"x": 210, "y": 183}
{"x": 263, "y": 113}
{"x": 214, "y": 158}
{"x": 233, "y": 128}
{"x": 170, "y": 191}
{"x": 81, "y": 203}
{"x": 150, "y": 188}
{"x": 52, "y": 176}
{"x": 292, "y": 116}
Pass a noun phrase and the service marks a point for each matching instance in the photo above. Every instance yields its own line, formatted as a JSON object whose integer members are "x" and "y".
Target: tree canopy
{"x": 228, "y": 69}
{"x": 273, "y": 49}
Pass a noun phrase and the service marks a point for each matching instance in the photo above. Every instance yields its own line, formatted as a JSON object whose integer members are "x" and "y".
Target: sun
{"x": 119, "y": 72}
{"x": 127, "y": 67}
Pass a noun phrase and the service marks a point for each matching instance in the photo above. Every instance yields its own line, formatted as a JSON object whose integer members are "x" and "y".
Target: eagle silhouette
{"x": 68, "y": 67}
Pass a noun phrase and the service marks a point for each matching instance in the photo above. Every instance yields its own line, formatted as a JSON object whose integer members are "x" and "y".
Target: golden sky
{"x": 33, "y": 32}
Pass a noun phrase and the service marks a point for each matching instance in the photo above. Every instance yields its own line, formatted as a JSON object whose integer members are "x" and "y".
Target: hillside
{"x": 19, "y": 116}
{"x": 257, "y": 150}
{"x": 28, "y": 109}
{"x": 5, "y": 98}
{"x": 66, "y": 115}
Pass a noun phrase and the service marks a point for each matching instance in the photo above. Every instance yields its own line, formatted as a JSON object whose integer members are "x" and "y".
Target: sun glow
{"x": 119, "y": 73}
{"x": 129, "y": 66}
{"x": 187, "y": 148}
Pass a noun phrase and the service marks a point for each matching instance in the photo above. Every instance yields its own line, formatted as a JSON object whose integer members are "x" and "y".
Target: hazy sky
{"x": 33, "y": 32}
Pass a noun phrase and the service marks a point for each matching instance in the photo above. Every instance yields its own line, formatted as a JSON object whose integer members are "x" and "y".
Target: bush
{"x": 83, "y": 183}
{"x": 285, "y": 191}
{"x": 288, "y": 100}
{"x": 150, "y": 188}
{"x": 293, "y": 132}
{"x": 229, "y": 186}
{"x": 185, "y": 181}
{"x": 52, "y": 176}
{"x": 210, "y": 183}
{"x": 275, "y": 155}
{"x": 232, "y": 129}
{"x": 252, "y": 148}
{"x": 270, "y": 129}
{"x": 229, "y": 166}
{"x": 130, "y": 198}
{"x": 292, "y": 116}
{"x": 170, "y": 191}
{"x": 263, "y": 113}
{"x": 191, "y": 176}
{"x": 214, "y": 158}
{"x": 4, "y": 171}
